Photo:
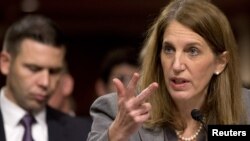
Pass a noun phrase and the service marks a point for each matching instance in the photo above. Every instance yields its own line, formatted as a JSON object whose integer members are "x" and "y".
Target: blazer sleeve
{"x": 246, "y": 99}
{"x": 103, "y": 112}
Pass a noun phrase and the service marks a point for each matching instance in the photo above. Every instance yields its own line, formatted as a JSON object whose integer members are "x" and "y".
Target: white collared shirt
{"x": 12, "y": 114}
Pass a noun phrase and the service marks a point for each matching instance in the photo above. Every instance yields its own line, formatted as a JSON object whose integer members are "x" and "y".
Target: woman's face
{"x": 188, "y": 63}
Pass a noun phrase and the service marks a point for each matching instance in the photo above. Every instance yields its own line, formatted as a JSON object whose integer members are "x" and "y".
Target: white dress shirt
{"x": 12, "y": 114}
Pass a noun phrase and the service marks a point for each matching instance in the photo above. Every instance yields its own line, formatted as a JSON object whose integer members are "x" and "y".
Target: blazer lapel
{"x": 55, "y": 130}
{"x": 2, "y": 133}
{"x": 151, "y": 135}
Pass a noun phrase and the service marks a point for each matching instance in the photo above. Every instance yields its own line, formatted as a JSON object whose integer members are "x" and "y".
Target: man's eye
{"x": 55, "y": 71}
{"x": 33, "y": 68}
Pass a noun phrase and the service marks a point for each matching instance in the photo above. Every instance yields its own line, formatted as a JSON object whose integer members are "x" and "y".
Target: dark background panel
{"x": 96, "y": 26}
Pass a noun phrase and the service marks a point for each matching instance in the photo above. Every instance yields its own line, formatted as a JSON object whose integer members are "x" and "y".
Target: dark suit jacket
{"x": 104, "y": 110}
{"x": 61, "y": 127}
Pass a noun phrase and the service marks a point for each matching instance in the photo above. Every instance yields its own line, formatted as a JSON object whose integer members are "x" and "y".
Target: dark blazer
{"x": 61, "y": 127}
{"x": 103, "y": 112}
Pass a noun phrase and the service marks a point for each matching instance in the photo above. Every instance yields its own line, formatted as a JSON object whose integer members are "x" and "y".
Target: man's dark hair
{"x": 35, "y": 27}
{"x": 115, "y": 57}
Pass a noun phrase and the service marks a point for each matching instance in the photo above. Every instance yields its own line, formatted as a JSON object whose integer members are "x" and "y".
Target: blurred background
{"x": 96, "y": 26}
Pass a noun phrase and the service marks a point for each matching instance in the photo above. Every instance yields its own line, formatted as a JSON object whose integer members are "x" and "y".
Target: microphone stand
{"x": 198, "y": 116}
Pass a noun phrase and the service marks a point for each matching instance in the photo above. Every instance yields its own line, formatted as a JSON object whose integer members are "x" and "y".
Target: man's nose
{"x": 44, "y": 79}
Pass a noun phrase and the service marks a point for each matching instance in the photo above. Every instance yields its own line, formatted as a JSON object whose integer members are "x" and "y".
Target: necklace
{"x": 194, "y": 136}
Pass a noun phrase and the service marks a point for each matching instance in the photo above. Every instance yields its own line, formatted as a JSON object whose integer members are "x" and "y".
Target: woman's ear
{"x": 5, "y": 60}
{"x": 221, "y": 63}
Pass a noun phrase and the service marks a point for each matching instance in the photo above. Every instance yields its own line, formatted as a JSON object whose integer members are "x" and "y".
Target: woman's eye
{"x": 168, "y": 49}
{"x": 193, "y": 51}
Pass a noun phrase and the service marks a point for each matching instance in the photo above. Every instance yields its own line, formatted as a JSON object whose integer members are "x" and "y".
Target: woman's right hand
{"x": 133, "y": 109}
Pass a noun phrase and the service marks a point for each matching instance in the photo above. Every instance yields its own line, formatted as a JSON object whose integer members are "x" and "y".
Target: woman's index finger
{"x": 145, "y": 94}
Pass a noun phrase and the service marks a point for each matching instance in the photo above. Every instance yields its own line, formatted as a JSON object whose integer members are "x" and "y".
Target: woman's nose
{"x": 178, "y": 63}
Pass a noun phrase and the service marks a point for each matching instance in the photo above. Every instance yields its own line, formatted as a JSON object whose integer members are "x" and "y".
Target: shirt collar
{"x": 12, "y": 113}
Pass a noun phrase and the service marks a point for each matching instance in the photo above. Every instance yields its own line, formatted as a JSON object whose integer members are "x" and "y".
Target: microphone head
{"x": 197, "y": 115}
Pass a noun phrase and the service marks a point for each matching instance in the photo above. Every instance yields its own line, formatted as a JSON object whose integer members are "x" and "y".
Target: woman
{"x": 192, "y": 55}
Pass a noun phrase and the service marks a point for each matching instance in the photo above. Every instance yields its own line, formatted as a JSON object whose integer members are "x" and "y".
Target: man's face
{"x": 33, "y": 75}
{"x": 124, "y": 72}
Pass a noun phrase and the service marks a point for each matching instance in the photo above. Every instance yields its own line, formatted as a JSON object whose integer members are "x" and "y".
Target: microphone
{"x": 198, "y": 116}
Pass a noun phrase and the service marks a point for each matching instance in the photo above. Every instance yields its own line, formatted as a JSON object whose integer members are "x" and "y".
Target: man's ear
{"x": 222, "y": 61}
{"x": 67, "y": 84}
{"x": 100, "y": 87}
{"x": 5, "y": 60}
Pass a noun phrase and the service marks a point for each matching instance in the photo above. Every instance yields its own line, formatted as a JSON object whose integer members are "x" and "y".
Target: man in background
{"x": 118, "y": 63}
{"x": 32, "y": 60}
{"x": 62, "y": 99}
